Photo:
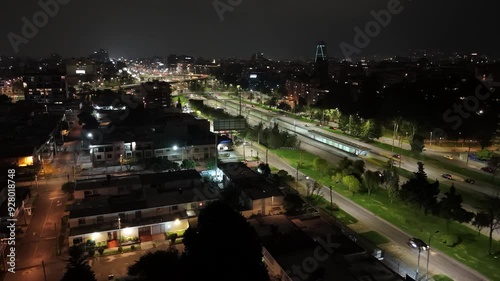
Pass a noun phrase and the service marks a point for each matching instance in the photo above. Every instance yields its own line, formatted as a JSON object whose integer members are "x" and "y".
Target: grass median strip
{"x": 375, "y": 237}
{"x": 472, "y": 250}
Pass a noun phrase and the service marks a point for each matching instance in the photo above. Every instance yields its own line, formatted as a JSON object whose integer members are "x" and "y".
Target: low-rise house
{"x": 153, "y": 206}
{"x": 258, "y": 195}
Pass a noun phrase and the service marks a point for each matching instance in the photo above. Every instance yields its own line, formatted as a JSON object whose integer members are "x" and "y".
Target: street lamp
{"x": 418, "y": 262}
{"x": 429, "y": 254}
{"x": 119, "y": 232}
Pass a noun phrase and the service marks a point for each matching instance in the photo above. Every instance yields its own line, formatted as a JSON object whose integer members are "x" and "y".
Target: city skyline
{"x": 279, "y": 30}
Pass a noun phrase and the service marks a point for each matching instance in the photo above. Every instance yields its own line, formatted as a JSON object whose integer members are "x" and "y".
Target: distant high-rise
{"x": 320, "y": 52}
{"x": 321, "y": 64}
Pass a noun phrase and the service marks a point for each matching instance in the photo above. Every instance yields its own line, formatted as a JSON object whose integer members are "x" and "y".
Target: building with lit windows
{"x": 137, "y": 208}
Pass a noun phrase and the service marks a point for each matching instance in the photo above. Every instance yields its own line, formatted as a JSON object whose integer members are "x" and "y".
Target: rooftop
{"x": 148, "y": 198}
{"x": 158, "y": 178}
{"x": 95, "y": 183}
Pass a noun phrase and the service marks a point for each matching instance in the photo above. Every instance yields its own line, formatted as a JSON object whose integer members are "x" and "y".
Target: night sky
{"x": 279, "y": 28}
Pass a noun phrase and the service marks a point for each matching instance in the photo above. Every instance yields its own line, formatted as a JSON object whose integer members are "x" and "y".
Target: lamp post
{"x": 429, "y": 254}
{"x": 394, "y": 135}
{"x": 331, "y": 198}
{"x": 430, "y": 140}
{"x": 418, "y": 262}
{"x": 119, "y": 232}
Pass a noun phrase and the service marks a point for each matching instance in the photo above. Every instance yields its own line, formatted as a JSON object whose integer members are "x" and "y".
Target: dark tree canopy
{"x": 78, "y": 268}
{"x": 224, "y": 246}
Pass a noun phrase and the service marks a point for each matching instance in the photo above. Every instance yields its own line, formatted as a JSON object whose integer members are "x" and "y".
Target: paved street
{"x": 407, "y": 163}
{"x": 39, "y": 242}
{"x": 441, "y": 264}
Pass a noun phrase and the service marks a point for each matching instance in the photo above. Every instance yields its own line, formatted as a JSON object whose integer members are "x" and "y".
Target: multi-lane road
{"x": 256, "y": 115}
{"x": 441, "y": 263}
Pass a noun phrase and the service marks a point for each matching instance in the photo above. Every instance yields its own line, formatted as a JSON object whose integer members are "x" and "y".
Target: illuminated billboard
{"x": 80, "y": 71}
{"x": 229, "y": 125}
{"x": 253, "y": 76}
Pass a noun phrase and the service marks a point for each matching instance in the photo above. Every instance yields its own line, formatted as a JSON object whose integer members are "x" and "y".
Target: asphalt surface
{"x": 441, "y": 263}
{"x": 39, "y": 242}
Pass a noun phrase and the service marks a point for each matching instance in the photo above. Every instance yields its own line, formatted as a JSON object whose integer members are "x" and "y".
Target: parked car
{"x": 471, "y": 181}
{"x": 448, "y": 157}
{"x": 397, "y": 156}
{"x": 416, "y": 243}
{"x": 447, "y": 176}
{"x": 488, "y": 170}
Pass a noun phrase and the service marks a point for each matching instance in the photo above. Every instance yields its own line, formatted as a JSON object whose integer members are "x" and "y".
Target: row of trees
{"x": 271, "y": 138}
{"x": 427, "y": 104}
{"x": 417, "y": 191}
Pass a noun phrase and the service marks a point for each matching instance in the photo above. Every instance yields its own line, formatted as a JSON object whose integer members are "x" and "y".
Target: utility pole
{"x": 238, "y": 91}
{"x": 394, "y": 135}
{"x": 119, "y": 232}
{"x": 467, "y": 156}
{"x": 58, "y": 252}
{"x": 296, "y": 176}
{"x": 266, "y": 156}
{"x": 244, "y": 154}
{"x": 331, "y": 198}
{"x": 44, "y": 274}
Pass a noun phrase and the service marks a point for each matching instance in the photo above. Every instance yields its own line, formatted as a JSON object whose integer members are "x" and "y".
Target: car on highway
{"x": 447, "y": 176}
{"x": 448, "y": 157}
{"x": 416, "y": 243}
{"x": 471, "y": 181}
{"x": 397, "y": 156}
{"x": 488, "y": 170}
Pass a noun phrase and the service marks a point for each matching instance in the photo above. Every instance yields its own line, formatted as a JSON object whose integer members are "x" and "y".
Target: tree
{"x": 480, "y": 221}
{"x": 223, "y": 239}
{"x": 211, "y": 164}
{"x": 352, "y": 184}
{"x": 372, "y": 181}
{"x": 344, "y": 123}
{"x": 264, "y": 169}
{"x": 283, "y": 177}
{"x": 130, "y": 162}
{"x": 484, "y": 154}
{"x": 493, "y": 211}
{"x": 68, "y": 187}
{"x": 419, "y": 191}
{"x": 393, "y": 187}
{"x": 78, "y": 268}
{"x": 153, "y": 265}
{"x": 451, "y": 208}
{"x": 371, "y": 130}
{"x": 343, "y": 164}
{"x": 320, "y": 165}
{"x": 355, "y": 128}
{"x": 293, "y": 204}
{"x": 358, "y": 168}
{"x": 188, "y": 164}
{"x": 417, "y": 144}
{"x": 312, "y": 187}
